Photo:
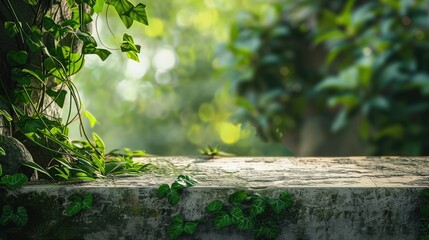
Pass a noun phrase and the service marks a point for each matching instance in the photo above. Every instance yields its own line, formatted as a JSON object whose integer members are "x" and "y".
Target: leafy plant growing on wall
{"x": 251, "y": 212}
{"x": 173, "y": 192}
{"x": 18, "y": 217}
{"x": 178, "y": 226}
{"x": 247, "y": 212}
{"x": 77, "y": 203}
{"x": 9, "y": 215}
{"x": 49, "y": 42}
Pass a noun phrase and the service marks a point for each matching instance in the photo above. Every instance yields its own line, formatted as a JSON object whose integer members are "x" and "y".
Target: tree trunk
{"x": 41, "y": 104}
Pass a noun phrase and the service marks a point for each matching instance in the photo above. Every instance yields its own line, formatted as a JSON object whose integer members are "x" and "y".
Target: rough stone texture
{"x": 334, "y": 198}
{"x": 16, "y": 155}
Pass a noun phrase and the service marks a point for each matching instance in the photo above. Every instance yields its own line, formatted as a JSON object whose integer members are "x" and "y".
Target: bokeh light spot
{"x": 206, "y": 112}
{"x": 194, "y": 134}
{"x": 137, "y": 70}
{"x": 164, "y": 59}
{"x": 228, "y": 132}
{"x": 156, "y": 28}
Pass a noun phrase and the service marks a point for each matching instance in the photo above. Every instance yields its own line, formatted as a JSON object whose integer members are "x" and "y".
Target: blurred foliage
{"x": 172, "y": 101}
{"x": 366, "y": 59}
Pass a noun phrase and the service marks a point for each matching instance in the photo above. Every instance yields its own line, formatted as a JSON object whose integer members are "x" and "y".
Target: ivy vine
{"x": 50, "y": 49}
{"x": 246, "y": 211}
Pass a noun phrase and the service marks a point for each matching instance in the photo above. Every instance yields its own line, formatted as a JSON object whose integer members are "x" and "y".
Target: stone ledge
{"x": 334, "y": 198}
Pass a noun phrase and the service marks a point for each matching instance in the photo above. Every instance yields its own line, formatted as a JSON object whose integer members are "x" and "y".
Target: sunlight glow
{"x": 228, "y": 132}
{"x": 164, "y": 59}
{"x": 137, "y": 70}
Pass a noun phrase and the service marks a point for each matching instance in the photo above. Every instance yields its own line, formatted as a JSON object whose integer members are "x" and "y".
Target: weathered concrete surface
{"x": 334, "y": 198}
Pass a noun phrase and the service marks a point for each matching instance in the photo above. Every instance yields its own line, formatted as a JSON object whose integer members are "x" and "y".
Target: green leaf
{"x": 49, "y": 24}
{"x": 11, "y": 28}
{"x": 214, "y": 206}
{"x": 73, "y": 208}
{"x": 32, "y": 2}
{"x": 130, "y": 48}
{"x": 91, "y": 118}
{"x": 90, "y": 48}
{"x": 99, "y": 142}
{"x": 173, "y": 197}
{"x": 138, "y": 13}
{"x": 238, "y": 197}
{"x": 58, "y": 96}
{"x": 176, "y": 227}
{"x": 75, "y": 198}
{"x": 222, "y": 221}
{"x": 63, "y": 173}
{"x": 37, "y": 74}
{"x": 178, "y": 185}
{"x": 268, "y": 230}
{"x": 175, "y": 230}
{"x": 122, "y": 7}
{"x": 172, "y": 194}
{"x": 102, "y": 53}
{"x": 163, "y": 190}
{"x": 21, "y": 217}
{"x": 1, "y": 168}
{"x": 98, "y": 7}
{"x": 71, "y": 3}
{"x": 286, "y": 199}
{"x": 82, "y": 17}
{"x": 19, "y": 57}
{"x": 245, "y": 224}
{"x": 178, "y": 219}
{"x": 7, "y": 215}
{"x": 15, "y": 181}
{"x": 70, "y": 23}
{"x": 132, "y": 55}
{"x": 38, "y": 168}
{"x": 74, "y": 63}
{"x": 84, "y": 176}
{"x": 87, "y": 201}
{"x": 90, "y": 3}
{"x": 272, "y": 230}
{"x": 237, "y": 214}
{"x": 190, "y": 227}
{"x": 34, "y": 39}
{"x": 6, "y": 115}
{"x": 277, "y": 205}
{"x": 21, "y": 77}
{"x": 187, "y": 180}
{"x": 336, "y": 34}
{"x": 114, "y": 167}
{"x": 77, "y": 202}
{"x": 257, "y": 207}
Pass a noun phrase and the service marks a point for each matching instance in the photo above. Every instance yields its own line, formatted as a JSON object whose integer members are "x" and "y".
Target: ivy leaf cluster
{"x": 9, "y": 215}
{"x": 173, "y": 192}
{"x": 14, "y": 181}
{"x": 128, "y": 12}
{"x": 250, "y": 212}
{"x": 179, "y": 225}
{"x": 54, "y": 43}
{"x": 77, "y": 203}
